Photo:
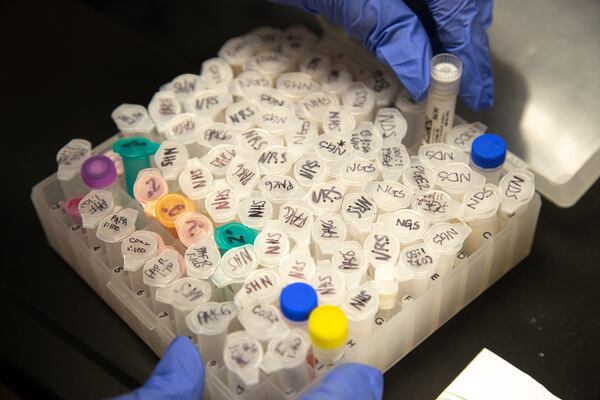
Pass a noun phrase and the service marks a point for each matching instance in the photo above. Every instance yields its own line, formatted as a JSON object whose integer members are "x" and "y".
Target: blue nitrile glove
{"x": 179, "y": 375}
{"x": 393, "y": 32}
{"x": 349, "y": 382}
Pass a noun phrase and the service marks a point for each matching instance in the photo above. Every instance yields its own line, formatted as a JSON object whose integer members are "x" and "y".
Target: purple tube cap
{"x": 98, "y": 172}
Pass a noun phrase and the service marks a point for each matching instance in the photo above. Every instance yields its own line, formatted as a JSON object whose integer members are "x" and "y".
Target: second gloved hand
{"x": 393, "y": 32}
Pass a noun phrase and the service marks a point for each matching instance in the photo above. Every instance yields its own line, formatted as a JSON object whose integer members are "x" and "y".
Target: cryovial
{"x": 488, "y": 153}
{"x": 446, "y": 71}
{"x": 286, "y": 355}
{"x": 69, "y": 159}
{"x": 133, "y": 119}
{"x": 360, "y": 304}
{"x": 414, "y": 114}
{"x": 184, "y": 295}
{"x": 209, "y": 322}
{"x": 328, "y": 331}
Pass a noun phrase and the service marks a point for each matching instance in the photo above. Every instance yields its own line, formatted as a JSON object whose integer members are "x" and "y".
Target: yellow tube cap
{"x": 328, "y": 327}
{"x": 170, "y": 206}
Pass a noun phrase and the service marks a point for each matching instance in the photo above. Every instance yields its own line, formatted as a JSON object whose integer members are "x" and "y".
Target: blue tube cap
{"x": 297, "y": 300}
{"x": 488, "y": 151}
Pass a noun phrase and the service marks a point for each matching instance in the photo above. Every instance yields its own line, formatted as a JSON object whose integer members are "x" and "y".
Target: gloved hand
{"x": 393, "y": 32}
{"x": 179, "y": 375}
{"x": 349, "y": 382}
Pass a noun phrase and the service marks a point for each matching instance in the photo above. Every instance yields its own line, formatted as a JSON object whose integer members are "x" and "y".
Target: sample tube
{"x": 358, "y": 211}
{"x": 242, "y": 175}
{"x": 235, "y": 266}
{"x": 384, "y": 85}
{"x": 69, "y": 159}
{"x": 329, "y": 284}
{"x": 456, "y": 178}
{"x": 360, "y": 304}
{"x": 416, "y": 265}
{"x": 360, "y": 101}
{"x": 171, "y": 206}
{"x": 296, "y": 221}
{"x": 192, "y": 227}
{"x": 255, "y": 210}
{"x": 349, "y": 259}
{"x": 196, "y": 181}
{"x": 209, "y": 104}
{"x": 148, "y": 188}
{"x": 233, "y": 235}
{"x": 159, "y": 272}
{"x": 280, "y": 189}
{"x": 271, "y": 245}
{"x": 462, "y": 136}
{"x": 162, "y": 108}
{"x": 222, "y": 203}
{"x": 268, "y": 63}
{"x": 391, "y": 126}
{"x": 242, "y": 356}
{"x": 325, "y": 197}
{"x": 135, "y": 152}
{"x": 216, "y": 74}
{"x": 488, "y": 153}
{"x": 184, "y": 295}
{"x": 202, "y": 259}
{"x": 328, "y": 232}
{"x": 381, "y": 247}
{"x": 236, "y": 51}
{"x": 262, "y": 322}
{"x": 417, "y": 177}
{"x": 435, "y": 205}
{"x": 355, "y": 172}
{"x": 296, "y": 302}
{"x": 277, "y": 120}
{"x": 366, "y": 141}
{"x": 133, "y": 119}
{"x": 517, "y": 188}
{"x": 295, "y": 85}
{"x": 338, "y": 121}
{"x": 209, "y": 322}
{"x": 136, "y": 249}
{"x": 389, "y": 196}
{"x": 407, "y": 225}
{"x": 287, "y": 356}
{"x": 414, "y": 114}
{"x": 336, "y": 80}
{"x": 95, "y": 206}
{"x": 310, "y": 170}
{"x": 99, "y": 172}
{"x": 171, "y": 158}
{"x": 275, "y": 160}
{"x": 393, "y": 160}
{"x": 112, "y": 230}
{"x": 260, "y": 287}
{"x": 437, "y": 155}
{"x": 446, "y": 240}
{"x": 297, "y": 266}
{"x": 446, "y": 71}
{"x": 386, "y": 284}
{"x": 479, "y": 210}
{"x": 328, "y": 330}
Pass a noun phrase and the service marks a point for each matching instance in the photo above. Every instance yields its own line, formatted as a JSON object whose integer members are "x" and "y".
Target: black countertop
{"x": 67, "y": 65}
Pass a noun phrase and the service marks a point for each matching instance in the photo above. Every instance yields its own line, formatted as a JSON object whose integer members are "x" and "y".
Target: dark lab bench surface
{"x": 67, "y": 65}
